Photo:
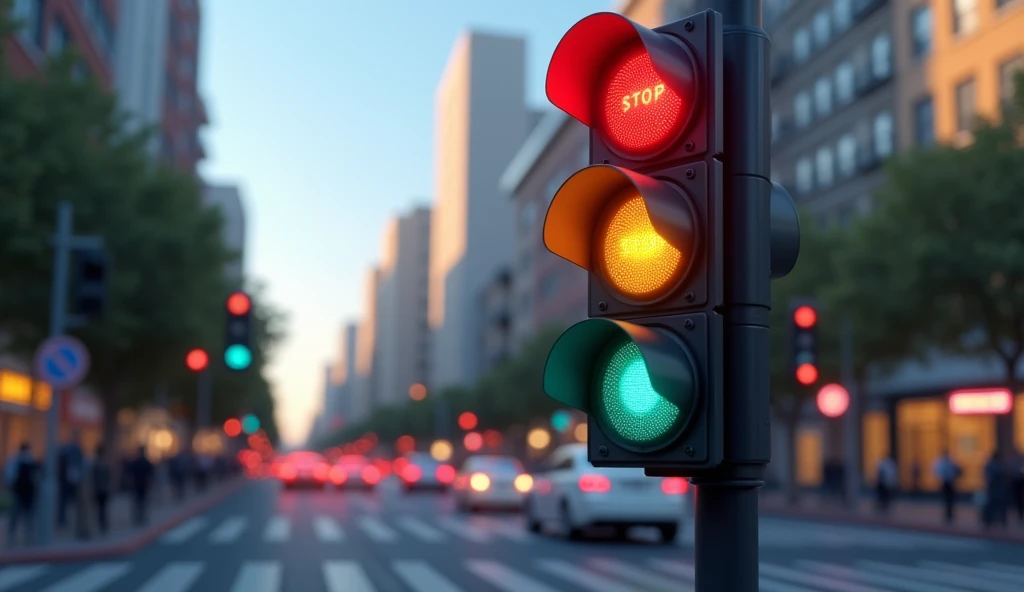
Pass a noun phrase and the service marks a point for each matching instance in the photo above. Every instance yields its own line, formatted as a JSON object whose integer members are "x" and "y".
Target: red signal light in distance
{"x": 239, "y": 304}
{"x": 806, "y": 374}
{"x": 196, "y": 360}
{"x": 805, "y": 317}
{"x": 467, "y": 420}
{"x": 232, "y": 428}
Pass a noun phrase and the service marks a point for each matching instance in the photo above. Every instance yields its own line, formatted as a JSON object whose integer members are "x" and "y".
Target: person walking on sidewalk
{"x": 996, "y": 489}
{"x": 886, "y": 482}
{"x": 1017, "y": 484}
{"x": 21, "y": 478}
{"x": 947, "y": 472}
{"x": 102, "y": 483}
{"x": 142, "y": 477}
{"x": 70, "y": 469}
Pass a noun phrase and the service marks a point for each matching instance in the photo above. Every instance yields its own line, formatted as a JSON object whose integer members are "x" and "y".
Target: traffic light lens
{"x": 805, "y": 317}
{"x": 637, "y": 261}
{"x": 239, "y": 304}
{"x": 627, "y": 402}
{"x": 640, "y": 112}
{"x": 806, "y": 374}
{"x": 237, "y": 357}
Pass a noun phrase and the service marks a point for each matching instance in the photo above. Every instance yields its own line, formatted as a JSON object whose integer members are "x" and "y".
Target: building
{"x": 549, "y": 290}
{"x": 367, "y": 380}
{"x": 497, "y": 307}
{"x": 481, "y": 121}
{"x": 403, "y": 338}
{"x": 157, "y": 62}
{"x": 228, "y": 200}
{"x": 48, "y": 27}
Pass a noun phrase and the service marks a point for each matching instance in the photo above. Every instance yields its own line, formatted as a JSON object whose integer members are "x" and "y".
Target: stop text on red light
{"x": 646, "y": 96}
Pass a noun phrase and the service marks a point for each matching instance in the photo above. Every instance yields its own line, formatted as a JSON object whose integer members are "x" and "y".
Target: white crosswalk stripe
{"x": 951, "y": 579}
{"x": 259, "y": 576}
{"x": 582, "y": 577}
{"x": 421, "y": 530}
{"x": 92, "y": 579}
{"x": 870, "y": 577}
{"x": 346, "y": 576}
{"x": 973, "y": 571}
{"x": 185, "y": 531}
{"x": 504, "y": 528}
{"x": 277, "y": 530}
{"x": 465, "y": 530}
{"x": 229, "y": 531}
{"x": 505, "y": 578}
{"x": 649, "y": 581}
{"x": 419, "y": 576}
{"x": 16, "y": 575}
{"x": 175, "y": 577}
{"x": 327, "y": 530}
{"x": 377, "y": 530}
{"x": 685, "y": 570}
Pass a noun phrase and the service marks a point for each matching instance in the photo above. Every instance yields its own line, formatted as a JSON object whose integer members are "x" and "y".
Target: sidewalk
{"x": 921, "y": 515}
{"x": 123, "y": 536}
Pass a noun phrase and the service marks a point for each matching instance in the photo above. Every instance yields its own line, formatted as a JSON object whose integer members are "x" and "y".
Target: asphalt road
{"x": 264, "y": 539}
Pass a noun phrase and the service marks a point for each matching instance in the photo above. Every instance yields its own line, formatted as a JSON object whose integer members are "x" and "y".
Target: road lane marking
{"x": 327, "y": 530}
{"x": 685, "y": 570}
{"x": 465, "y": 530}
{"x": 377, "y": 530}
{"x": 516, "y": 532}
{"x": 650, "y": 582}
{"x": 419, "y": 576}
{"x": 16, "y": 575}
{"x": 848, "y": 573}
{"x": 916, "y": 573}
{"x": 93, "y": 578}
{"x": 258, "y": 576}
{"x": 185, "y": 531}
{"x": 581, "y": 577}
{"x": 229, "y": 531}
{"x": 174, "y": 577}
{"x": 785, "y": 573}
{"x": 973, "y": 571}
{"x": 346, "y": 576}
{"x": 504, "y": 578}
{"x": 421, "y": 530}
{"x": 277, "y": 530}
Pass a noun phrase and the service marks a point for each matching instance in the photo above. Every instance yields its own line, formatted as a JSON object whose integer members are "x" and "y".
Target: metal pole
{"x": 203, "y": 399}
{"x": 58, "y": 319}
{"x": 851, "y": 420}
{"x": 726, "y": 513}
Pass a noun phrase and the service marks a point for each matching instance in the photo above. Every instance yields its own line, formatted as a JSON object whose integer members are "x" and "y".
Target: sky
{"x": 313, "y": 106}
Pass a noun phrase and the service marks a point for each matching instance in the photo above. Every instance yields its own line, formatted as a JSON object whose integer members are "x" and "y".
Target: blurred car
{"x": 355, "y": 472}
{"x": 419, "y": 470}
{"x": 298, "y": 469}
{"x": 491, "y": 482}
{"x": 573, "y": 493}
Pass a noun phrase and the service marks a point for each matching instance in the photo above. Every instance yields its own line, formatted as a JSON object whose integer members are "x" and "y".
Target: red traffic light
{"x": 637, "y": 87}
{"x": 196, "y": 360}
{"x": 232, "y": 428}
{"x": 833, "y": 400}
{"x": 467, "y": 420}
{"x": 807, "y": 374}
{"x": 805, "y": 317}
{"x": 239, "y": 304}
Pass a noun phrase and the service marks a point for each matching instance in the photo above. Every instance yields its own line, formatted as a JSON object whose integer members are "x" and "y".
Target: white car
{"x": 492, "y": 482}
{"x": 575, "y": 495}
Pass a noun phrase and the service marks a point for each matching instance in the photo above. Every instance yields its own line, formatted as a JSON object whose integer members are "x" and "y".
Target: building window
{"x": 1007, "y": 74}
{"x": 822, "y": 28}
{"x": 921, "y": 30}
{"x": 823, "y": 96}
{"x": 802, "y": 109}
{"x": 965, "y": 106}
{"x": 58, "y": 37}
{"x": 924, "y": 122}
{"x": 842, "y": 14}
{"x": 30, "y": 14}
{"x": 965, "y": 16}
{"x": 881, "y": 57}
{"x": 844, "y": 83}
{"x": 804, "y": 175}
{"x": 846, "y": 155}
{"x": 801, "y": 45}
{"x": 527, "y": 215}
{"x": 824, "y": 163}
{"x": 883, "y": 135}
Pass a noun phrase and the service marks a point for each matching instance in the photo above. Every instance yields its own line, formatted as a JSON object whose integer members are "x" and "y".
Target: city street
{"x": 264, "y": 539}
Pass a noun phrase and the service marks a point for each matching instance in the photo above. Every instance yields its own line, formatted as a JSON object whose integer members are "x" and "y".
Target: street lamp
{"x": 417, "y": 392}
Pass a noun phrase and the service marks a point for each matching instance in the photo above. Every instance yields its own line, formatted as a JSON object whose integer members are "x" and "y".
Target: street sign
{"x": 62, "y": 361}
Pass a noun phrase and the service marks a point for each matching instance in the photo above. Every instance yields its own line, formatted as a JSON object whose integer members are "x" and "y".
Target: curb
{"x": 995, "y": 536}
{"x": 123, "y": 547}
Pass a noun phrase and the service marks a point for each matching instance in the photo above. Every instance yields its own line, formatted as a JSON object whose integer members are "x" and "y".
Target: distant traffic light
{"x": 232, "y": 428}
{"x": 197, "y": 360}
{"x": 804, "y": 332}
{"x": 89, "y": 291}
{"x": 237, "y": 350}
{"x": 646, "y": 221}
{"x": 250, "y": 424}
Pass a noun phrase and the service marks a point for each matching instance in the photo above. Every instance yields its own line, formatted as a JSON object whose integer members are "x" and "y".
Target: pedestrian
{"x": 996, "y": 489}
{"x": 1017, "y": 484}
{"x": 947, "y": 472}
{"x": 102, "y": 484}
{"x": 179, "y": 473}
{"x": 142, "y": 477}
{"x": 886, "y": 481}
{"x": 70, "y": 470}
{"x": 22, "y": 479}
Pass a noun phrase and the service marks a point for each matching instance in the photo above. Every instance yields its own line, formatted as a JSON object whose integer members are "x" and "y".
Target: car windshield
{"x": 498, "y": 465}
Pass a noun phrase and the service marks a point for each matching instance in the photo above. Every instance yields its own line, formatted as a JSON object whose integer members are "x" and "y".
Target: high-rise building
{"x": 343, "y": 374}
{"x": 366, "y": 388}
{"x": 228, "y": 200}
{"x": 403, "y": 338}
{"x": 157, "y": 62}
{"x": 481, "y": 121}
{"x": 48, "y": 27}
{"x": 496, "y": 308}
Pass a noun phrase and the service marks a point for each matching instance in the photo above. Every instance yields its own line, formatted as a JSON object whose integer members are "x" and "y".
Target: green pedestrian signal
{"x": 237, "y": 357}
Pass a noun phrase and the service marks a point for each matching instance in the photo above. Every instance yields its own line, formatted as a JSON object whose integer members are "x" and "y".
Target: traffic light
{"x": 804, "y": 332}
{"x": 237, "y": 352}
{"x": 89, "y": 293}
{"x": 646, "y": 221}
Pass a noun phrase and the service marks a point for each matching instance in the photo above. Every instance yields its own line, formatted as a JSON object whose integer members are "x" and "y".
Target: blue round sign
{"x": 62, "y": 361}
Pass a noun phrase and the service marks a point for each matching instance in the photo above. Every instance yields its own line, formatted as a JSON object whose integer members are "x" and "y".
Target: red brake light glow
{"x": 370, "y": 474}
{"x": 288, "y": 472}
{"x": 674, "y": 486}
{"x": 338, "y": 475}
{"x": 412, "y": 473}
{"x": 445, "y": 474}
{"x": 320, "y": 471}
{"x": 594, "y": 484}
{"x": 639, "y": 113}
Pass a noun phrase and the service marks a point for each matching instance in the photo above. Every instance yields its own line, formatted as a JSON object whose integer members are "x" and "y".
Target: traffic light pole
{"x": 727, "y": 501}
{"x": 203, "y": 398}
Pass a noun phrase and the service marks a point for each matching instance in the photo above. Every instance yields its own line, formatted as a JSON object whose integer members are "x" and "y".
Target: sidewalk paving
{"x": 914, "y": 514}
{"x": 123, "y": 535}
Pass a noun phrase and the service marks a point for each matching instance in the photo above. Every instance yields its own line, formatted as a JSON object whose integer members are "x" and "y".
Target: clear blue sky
{"x": 313, "y": 105}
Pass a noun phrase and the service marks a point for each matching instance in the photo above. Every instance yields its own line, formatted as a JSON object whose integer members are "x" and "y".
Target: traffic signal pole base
{"x": 726, "y": 531}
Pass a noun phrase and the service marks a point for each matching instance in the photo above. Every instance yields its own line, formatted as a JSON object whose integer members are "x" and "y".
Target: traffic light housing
{"x": 89, "y": 292}
{"x": 237, "y": 349}
{"x": 803, "y": 325}
{"x": 645, "y": 220}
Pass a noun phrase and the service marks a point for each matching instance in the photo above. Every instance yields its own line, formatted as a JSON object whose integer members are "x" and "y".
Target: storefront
{"x": 22, "y": 403}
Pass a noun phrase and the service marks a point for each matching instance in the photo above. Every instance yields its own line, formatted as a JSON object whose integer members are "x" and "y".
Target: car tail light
{"x": 480, "y": 482}
{"x": 321, "y": 471}
{"x": 287, "y": 472}
{"x": 445, "y": 474}
{"x": 594, "y": 484}
{"x": 370, "y": 475}
{"x": 675, "y": 485}
{"x": 338, "y": 475}
{"x": 412, "y": 473}
{"x": 523, "y": 483}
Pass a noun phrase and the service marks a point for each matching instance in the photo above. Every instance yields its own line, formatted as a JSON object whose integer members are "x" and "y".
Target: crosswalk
{"x": 595, "y": 574}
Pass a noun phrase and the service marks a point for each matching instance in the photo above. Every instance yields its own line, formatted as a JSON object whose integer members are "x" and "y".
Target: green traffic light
{"x": 237, "y": 357}
{"x": 626, "y": 401}
{"x": 250, "y": 424}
